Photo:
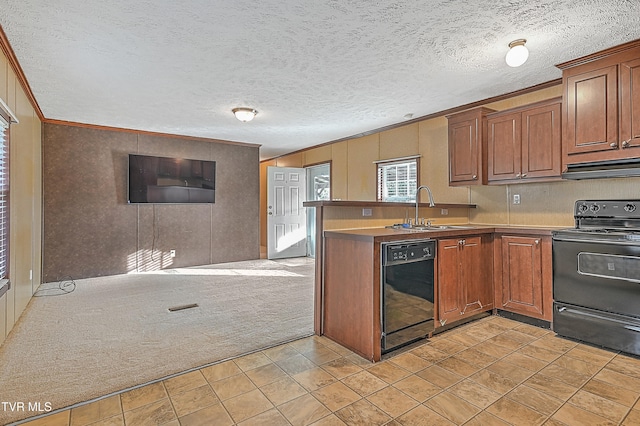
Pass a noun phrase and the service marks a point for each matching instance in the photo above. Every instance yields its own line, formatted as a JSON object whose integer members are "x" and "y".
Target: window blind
{"x": 397, "y": 180}
{"x": 4, "y": 197}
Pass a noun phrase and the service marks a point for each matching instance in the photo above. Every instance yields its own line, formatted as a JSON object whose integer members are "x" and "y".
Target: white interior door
{"x": 286, "y": 219}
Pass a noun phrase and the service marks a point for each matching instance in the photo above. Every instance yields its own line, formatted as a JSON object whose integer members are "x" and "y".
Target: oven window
{"x": 609, "y": 266}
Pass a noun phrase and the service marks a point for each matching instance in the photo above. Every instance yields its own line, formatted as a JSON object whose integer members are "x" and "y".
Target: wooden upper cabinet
{"x": 525, "y": 143}
{"x": 504, "y": 146}
{"x": 601, "y": 114}
{"x": 630, "y": 104}
{"x": 467, "y": 147}
{"x": 592, "y": 111}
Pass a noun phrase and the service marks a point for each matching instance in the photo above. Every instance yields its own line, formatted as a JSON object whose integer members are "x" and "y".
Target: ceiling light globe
{"x": 244, "y": 114}
{"x": 517, "y": 54}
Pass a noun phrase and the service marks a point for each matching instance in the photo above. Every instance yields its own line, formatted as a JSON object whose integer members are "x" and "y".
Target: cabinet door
{"x": 463, "y": 151}
{"x": 504, "y": 152}
{"x": 477, "y": 292}
{"x": 522, "y": 289}
{"x": 630, "y": 106}
{"x": 541, "y": 142}
{"x": 449, "y": 307}
{"x": 592, "y": 112}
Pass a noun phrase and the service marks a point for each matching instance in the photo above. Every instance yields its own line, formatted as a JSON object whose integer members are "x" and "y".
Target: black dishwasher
{"x": 407, "y": 280}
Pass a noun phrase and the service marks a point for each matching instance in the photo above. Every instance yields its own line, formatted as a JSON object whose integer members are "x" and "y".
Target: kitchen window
{"x": 4, "y": 196}
{"x": 398, "y": 179}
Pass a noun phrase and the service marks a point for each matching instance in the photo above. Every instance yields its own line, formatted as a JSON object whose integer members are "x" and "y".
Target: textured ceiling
{"x": 316, "y": 70}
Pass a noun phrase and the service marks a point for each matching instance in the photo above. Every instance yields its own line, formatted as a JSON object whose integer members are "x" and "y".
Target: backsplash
{"x": 544, "y": 204}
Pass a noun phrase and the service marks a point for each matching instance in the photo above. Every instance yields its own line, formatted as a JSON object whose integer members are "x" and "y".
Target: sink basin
{"x": 440, "y": 227}
{"x": 430, "y": 228}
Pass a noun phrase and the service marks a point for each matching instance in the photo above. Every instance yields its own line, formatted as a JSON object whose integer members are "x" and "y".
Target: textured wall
{"x": 90, "y": 229}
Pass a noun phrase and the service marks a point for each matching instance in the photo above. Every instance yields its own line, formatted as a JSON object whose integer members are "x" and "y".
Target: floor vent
{"x": 183, "y": 307}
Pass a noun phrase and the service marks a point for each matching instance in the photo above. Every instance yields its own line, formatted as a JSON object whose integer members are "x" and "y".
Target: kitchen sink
{"x": 423, "y": 228}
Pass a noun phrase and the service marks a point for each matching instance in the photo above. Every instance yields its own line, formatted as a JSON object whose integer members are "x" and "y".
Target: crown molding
{"x": 17, "y": 69}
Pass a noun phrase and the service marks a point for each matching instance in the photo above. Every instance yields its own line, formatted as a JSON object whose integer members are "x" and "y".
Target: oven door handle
{"x": 601, "y": 317}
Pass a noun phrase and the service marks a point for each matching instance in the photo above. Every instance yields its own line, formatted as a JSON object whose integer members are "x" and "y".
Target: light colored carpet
{"x": 116, "y": 332}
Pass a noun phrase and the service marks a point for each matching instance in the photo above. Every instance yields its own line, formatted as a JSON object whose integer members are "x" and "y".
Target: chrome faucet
{"x": 431, "y": 203}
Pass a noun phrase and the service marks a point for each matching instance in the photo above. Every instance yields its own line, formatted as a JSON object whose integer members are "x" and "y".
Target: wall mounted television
{"x": 171, "y": 180}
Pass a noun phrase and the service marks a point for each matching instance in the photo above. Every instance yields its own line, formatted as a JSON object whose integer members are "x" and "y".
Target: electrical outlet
{"x": 172, "y": 253}
{"x": 366, "y": 212}
{"x": 516, "y": 198}
{"x": 444, "y": 212}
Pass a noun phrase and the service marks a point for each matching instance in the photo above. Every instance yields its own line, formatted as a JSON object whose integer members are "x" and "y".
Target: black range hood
{"x": 603, "y": 169}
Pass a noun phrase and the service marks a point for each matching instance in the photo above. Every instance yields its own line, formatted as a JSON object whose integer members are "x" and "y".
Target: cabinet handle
{"x": 537, "y": 242}
{"x": 625, "y": 144}
{"x": 474, "y": 177}
{"x": 524, "y": 175}
{"x": 613, "y": 144}
{"x": 518, "y": 175}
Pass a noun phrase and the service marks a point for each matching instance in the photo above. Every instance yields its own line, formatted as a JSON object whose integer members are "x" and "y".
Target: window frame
{"x": 322, "y": 163}
{"x": 383, "y": 164}
{"x": 5, "y": 194}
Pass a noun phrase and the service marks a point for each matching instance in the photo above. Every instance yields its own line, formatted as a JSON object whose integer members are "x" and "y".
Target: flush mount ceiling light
{"x": 517, "y": 54}
{"x": 244, "y": 114}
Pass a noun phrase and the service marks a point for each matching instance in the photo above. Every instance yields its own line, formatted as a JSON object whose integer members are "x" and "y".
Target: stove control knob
{"x": 595, "y": 208}
{"x": 629, "y": 208}
{"x": 582, "y": 208}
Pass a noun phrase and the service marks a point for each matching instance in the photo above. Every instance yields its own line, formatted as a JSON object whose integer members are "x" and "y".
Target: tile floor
{"x": 490, "y": 372}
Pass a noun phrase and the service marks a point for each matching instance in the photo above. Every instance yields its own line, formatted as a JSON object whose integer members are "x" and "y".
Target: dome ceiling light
{"x": 244, "y": 114}
{"x": 517, "y": 54}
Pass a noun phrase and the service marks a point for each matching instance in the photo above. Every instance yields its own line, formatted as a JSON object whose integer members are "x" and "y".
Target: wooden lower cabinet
{"x": 351, "y": 306}
{"x": 524, "y": 276}
{"x": 465, "y": 282}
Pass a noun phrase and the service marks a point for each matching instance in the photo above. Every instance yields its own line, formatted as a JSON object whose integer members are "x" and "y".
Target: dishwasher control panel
{"x": 408, "y": 251}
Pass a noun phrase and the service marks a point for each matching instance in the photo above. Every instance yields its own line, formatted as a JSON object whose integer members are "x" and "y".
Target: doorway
{"x": 318, "y": 188}
{"x": 286, "y": 219}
